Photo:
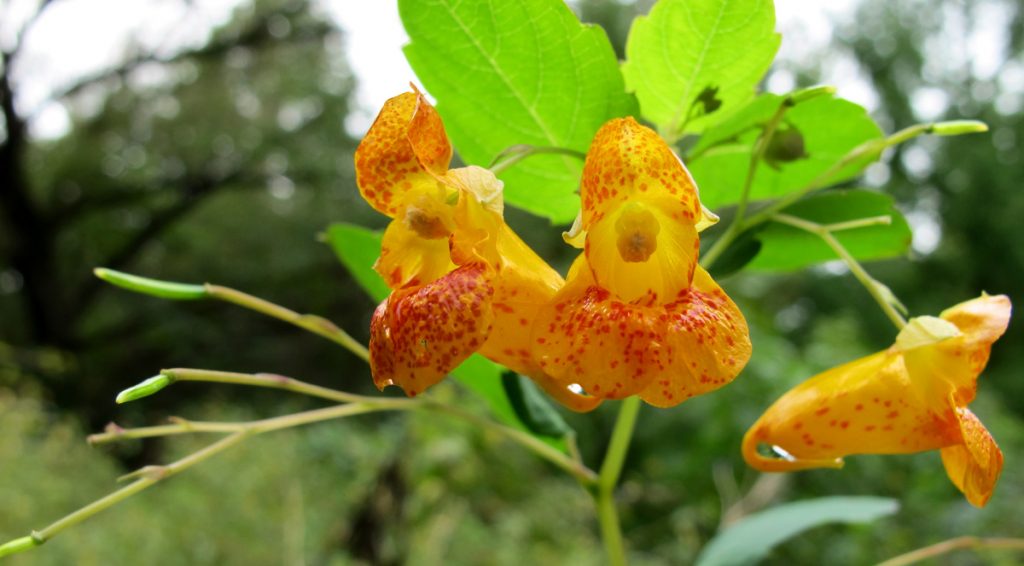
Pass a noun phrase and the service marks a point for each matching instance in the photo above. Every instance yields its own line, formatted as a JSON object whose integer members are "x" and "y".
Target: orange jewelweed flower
{"x": 461, "y": 280}
{"x": 908, "y": 398}
{"x": 638, "y": 315}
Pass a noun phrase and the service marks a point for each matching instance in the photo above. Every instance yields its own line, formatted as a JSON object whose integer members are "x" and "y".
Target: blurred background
{"x": 212, "y": 140}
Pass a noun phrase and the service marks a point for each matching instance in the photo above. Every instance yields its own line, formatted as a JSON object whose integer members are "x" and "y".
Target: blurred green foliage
{"x": 225, "y": 170}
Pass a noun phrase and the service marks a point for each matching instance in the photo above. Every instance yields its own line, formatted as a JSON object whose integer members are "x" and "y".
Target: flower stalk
{"x": 877, "y": 290}
{"x": 611, "y": 470}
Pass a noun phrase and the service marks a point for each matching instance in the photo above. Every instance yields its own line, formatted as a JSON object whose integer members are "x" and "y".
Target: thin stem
{"x": 184, "y": 426}
{"x": 873, "y": 287}
{"x": 611, "y": 469}
{"x": 273, "y": 381}
{"x": 585, "y": 475}
{"x": 735, "y": 227}
{"x": 946, "y": 546}
{"x": 821, "y": 181}
{"x": 158, "y": 474}
{"x": 151, "y": 475}
{"x": 313, "y": 323}
{"x": 516, "y": 153}
{"x": 871, "y": 147}
{"x": 883, "y": 220}
{"x": 611, "y": 530}
{"x": 622, "y": 434}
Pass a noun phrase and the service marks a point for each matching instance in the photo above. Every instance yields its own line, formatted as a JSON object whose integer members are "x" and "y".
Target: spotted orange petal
{"x": 418, "y": 335}
{"x": 587, "y": 337}
{"x": 973, "y": 465}
{"x": 707, "y": 342}
{"x": 868, "y": 406}
{"x": 406, "y": 147}
{"x": 629, "y": 162}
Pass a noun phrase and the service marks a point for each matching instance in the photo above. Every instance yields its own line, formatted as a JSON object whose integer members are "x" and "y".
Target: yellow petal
{"x": 975, "y": 464}
{"x": 477, "y": 228}
{"x": 405, "y": 147}
{"x": 868, "y": 406}
{"x": 955, "y": 364}
{"x": 414, "y": 250}
{"x": 982, "y": 321}
{"x": 641, "y": 255}
{"x": 707, "y": 341}
{"x": 588, "y": 338}
{"x": 418, "y": 335}
{"x": 628, "y": 161}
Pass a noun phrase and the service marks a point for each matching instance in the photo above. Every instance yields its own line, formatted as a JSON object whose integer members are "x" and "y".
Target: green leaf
{"x": 687, "y": 52}
{"x": 144, "y": 389}
{"x": 523, "y": 72}
{"x": 357, "y": 248}
{"x": 154, "y": 287}
{"x": 533, "y": 407}
{"x": 739, "y": 253}
{"x": 750, "y": 117}
{"x": 787, "y": 248}
{"x": 749, "y": 540}
{"x": 829, "y": 129}
{"x": 483, "y": 377}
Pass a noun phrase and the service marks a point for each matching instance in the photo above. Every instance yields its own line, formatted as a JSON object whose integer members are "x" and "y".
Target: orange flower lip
{"x": 638, "y": 315}
{"x": 462, "y": 280}
{"x": 909, "y": 398}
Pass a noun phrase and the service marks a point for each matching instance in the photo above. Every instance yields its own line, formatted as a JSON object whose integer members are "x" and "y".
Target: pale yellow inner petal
{"x": 641, "y": 255}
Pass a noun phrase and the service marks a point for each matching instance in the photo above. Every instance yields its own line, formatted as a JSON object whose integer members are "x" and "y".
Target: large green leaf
{"x": 357, "y": 248}
{"x": 691, "y": 61}
{"x": 523, "y": 72}
{"x": 749, "y": 540}
{"x": 827, "y": 128}
{"x": 785, "y": 247}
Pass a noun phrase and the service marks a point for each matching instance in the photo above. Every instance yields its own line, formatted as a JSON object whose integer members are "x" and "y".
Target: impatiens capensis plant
{"x": 647, "y": 155}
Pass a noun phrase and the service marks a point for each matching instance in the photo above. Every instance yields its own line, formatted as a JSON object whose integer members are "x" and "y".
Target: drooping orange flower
{"x": 462, "y": 280}
{"x": 909, "y": 398}
{"x": 638, "y": 315}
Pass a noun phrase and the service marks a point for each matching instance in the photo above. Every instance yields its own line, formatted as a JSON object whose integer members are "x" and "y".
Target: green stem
{"x": 268, "y": 380}
{"x": 736, "y": 226}
{"x": 151, "y": 475}
{"x": 516, "y": 153}
{"x": 608, "y": 479}
{"x": 147, "y": 480}
{"x": 585, "y": 475}
{"x": 313, "y": 323}
{"x": 946, "y": 546}
{"x": 868, "y": 148}
{"x": 873, "y": 287}
{"x": 871, "y": 148}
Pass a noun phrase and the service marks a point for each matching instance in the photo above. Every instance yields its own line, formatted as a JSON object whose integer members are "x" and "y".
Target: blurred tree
{"x": 219, "y": 162}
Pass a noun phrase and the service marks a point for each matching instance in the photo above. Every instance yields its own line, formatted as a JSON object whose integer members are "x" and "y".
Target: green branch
{"x": 611, "y": 470}
{"x": 186, "y": 292}
{"x": 273, "y": 381}
{"x": 869, "y": 149}
{"x": 878, "y": 291}
{"x": 516, "y": 153}
{"x": 959, "y": 543}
